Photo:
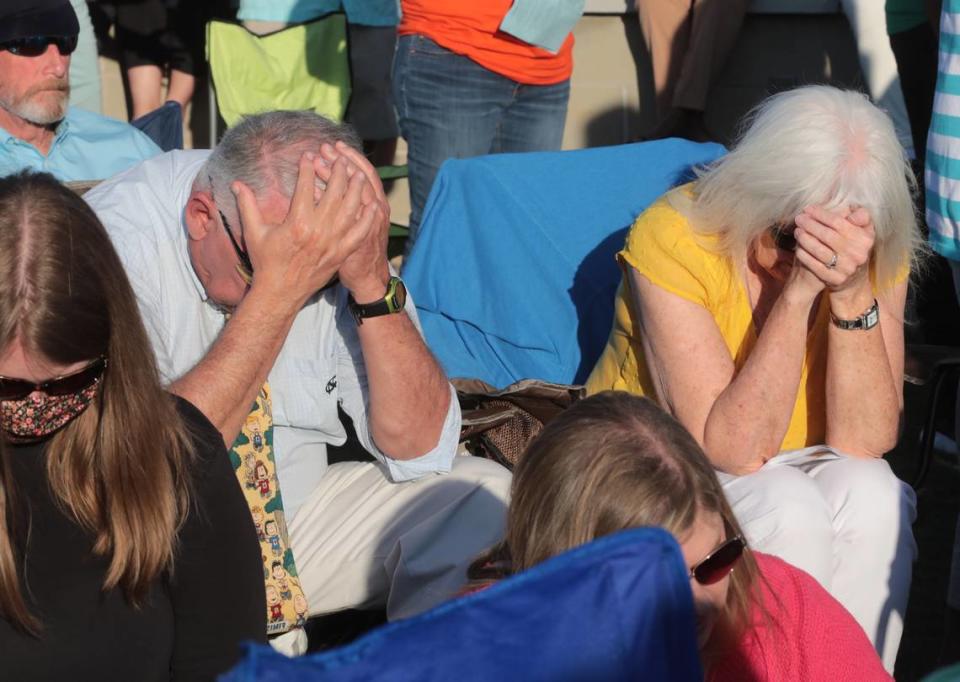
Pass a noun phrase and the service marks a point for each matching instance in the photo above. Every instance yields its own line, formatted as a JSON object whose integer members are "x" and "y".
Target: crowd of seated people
{"x": 178, "y": 349}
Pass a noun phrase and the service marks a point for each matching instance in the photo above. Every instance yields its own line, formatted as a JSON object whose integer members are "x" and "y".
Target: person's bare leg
{"x": 145, "y": 88}
{"x": 181, "y": 87}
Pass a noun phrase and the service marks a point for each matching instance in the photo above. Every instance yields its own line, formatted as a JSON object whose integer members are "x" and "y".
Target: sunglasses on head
{"x": 718, "y": 564}
{"x": 18, "y": 389}
{"x": 783, "y": 237}
{"x": 34, "y": 46}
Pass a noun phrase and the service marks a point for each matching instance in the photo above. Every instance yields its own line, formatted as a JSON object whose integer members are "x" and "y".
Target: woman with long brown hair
{"x": 615, "y": 461}
{"x": 126, "y": 548}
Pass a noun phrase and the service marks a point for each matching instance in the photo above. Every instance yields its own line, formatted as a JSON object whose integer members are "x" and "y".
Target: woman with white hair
{"x": 762, "y": 305}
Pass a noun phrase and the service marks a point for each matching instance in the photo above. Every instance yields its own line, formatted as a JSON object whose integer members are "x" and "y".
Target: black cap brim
{"x": 49, "y": 21}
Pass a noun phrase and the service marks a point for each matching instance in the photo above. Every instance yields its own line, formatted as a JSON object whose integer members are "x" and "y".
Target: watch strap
{"x": 392, "y": 302}
{"x": 868, "y": 320}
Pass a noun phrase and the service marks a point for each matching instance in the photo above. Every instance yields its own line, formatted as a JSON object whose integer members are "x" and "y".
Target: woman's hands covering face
{"x": 835, "y": 247}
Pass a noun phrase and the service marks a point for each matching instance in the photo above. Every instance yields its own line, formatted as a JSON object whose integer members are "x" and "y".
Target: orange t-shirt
{"x": 471, "y": 28}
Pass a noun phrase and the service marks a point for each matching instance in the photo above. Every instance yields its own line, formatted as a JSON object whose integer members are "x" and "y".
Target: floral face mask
{"x": 40, "y": 415}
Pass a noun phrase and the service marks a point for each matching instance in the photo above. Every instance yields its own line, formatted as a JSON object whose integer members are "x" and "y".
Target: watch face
{"x": 399, "y": 296}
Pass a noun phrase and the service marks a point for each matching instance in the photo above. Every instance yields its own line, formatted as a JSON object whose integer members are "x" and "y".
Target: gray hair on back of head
{"x": 263, "y": 151}
{"x": 814, "y": 145}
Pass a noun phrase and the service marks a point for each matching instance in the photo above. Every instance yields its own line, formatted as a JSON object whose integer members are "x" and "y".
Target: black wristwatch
{"x": 392, "y": 302}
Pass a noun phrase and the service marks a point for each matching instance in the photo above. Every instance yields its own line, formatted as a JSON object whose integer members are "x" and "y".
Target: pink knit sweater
{"x": 807, "y": 636}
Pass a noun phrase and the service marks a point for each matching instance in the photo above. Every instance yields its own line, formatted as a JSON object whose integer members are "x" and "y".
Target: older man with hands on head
{"x": 261, "y": 272}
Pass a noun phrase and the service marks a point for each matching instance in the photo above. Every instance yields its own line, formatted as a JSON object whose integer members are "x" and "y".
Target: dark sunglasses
{"x": 783, "y": 237}
{"x": 718, "y": 564}
{"x": 244, "y": 267}
{"x": 18, "y": 389}
{"x": 34, "y": 46}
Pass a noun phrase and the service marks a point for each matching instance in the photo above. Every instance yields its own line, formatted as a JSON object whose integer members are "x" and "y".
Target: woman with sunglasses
{"x": 615, "y": 461}
{"x": 762, "y": 305}
{"x": 126, "y": 548}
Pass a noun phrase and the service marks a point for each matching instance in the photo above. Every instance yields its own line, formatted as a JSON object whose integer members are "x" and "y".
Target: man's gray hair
{"x": 263, "y": 151}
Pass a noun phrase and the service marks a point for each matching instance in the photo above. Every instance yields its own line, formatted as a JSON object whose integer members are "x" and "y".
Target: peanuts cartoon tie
{"x": 253, "y": 462}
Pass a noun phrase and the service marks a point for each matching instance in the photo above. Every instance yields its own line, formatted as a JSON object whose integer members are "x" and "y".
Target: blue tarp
{"x": 513, "y": 272}
{"x": 617, "y": 609}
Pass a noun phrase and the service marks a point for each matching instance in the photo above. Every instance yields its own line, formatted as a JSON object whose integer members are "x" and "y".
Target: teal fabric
{"x": 951, "y": 674}
{"x": 364, "y": 12}
{"x": 87, "y": 146}
{"x": 544, "y": 23}
{"x": 902, "y": 15}
{"x": 943, "y": 143}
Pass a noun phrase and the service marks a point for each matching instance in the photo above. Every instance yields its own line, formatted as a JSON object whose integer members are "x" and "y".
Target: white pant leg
{"x": 868, "y": 21}
{"x": 783, "y": 513}
{"x": 873, "y": 513}
{"x": 360, "y": 540}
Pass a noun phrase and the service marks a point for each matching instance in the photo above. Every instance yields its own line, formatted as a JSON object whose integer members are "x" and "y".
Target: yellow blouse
{"x": 662, "y": 247}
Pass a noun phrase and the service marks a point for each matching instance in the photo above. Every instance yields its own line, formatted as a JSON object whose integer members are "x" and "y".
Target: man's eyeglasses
{"x": 783, "y": 236}
{"x": 244, "y": 267}
{"x": 34, "y": 46}
{"x": 18, "y": 389}
{"x": 718, "y": 564}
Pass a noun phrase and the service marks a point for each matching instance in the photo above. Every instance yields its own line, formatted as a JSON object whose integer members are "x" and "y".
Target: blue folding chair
{"x": 617, "y": 609}
{"x": 513, "y": 271}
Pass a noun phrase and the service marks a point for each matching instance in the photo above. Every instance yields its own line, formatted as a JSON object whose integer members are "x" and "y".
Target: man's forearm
{"x": 224, "y": 384}
{"x": 409, "y": 393}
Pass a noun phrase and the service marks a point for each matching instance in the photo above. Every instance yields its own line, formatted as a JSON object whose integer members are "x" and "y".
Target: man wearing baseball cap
{"x": 37, "y": 128}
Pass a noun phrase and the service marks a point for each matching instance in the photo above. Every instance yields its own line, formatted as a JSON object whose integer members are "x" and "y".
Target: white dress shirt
{"x": 319, "y": 366}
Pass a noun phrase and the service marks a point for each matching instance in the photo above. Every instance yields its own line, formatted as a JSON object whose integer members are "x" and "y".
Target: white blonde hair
{"x": 815, "y": 145}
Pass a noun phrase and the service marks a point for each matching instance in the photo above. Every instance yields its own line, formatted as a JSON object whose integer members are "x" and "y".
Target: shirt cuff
{"x": 437, "y": 461}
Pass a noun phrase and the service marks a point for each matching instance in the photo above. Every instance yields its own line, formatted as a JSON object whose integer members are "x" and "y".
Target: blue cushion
{"x": 513, "y": 272}
{"x": 619, "y": 608}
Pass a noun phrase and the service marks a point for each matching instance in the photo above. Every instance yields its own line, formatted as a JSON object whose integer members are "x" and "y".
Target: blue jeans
{"x": 449, "y": 106}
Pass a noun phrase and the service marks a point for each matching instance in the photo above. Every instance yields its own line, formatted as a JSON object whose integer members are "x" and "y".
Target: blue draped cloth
{"x": 514, "y": 273}
{"x": 617, "y": 609}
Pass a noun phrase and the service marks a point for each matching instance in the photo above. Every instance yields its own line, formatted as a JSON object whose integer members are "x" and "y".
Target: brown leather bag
{"x": 500, "y": 424}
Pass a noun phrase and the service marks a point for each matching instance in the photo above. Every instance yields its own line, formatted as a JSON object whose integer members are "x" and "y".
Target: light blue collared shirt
{"x": 319, "y": 366}
{"x": 87, "y": 146}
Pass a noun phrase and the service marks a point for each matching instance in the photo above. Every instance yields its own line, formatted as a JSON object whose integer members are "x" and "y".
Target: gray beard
{"x": 34, "y": 111}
